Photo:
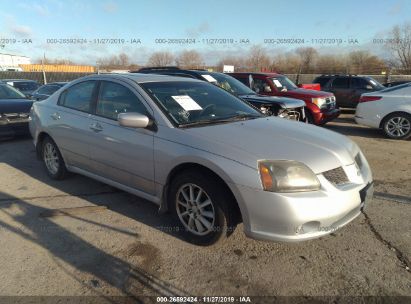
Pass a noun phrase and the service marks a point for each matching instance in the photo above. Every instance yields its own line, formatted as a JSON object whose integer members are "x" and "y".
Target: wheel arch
{"x": 391, "y": 113}
{"x": 180, "y": 168}
{"x": 39, "y": 142}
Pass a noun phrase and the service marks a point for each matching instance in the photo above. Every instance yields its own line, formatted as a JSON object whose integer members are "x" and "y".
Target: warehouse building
{"x": 9, "y": 62}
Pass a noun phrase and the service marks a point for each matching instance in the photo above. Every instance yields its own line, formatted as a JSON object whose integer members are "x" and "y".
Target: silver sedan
{"x": 204, "y": 156}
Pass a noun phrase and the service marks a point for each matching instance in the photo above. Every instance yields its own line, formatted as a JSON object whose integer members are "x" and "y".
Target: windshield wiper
{"x": 222, "y": 120}
{"x": 241, "y": 117}
{"x": 200, "y": 122}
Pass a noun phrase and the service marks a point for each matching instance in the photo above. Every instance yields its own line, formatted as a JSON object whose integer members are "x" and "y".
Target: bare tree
{"x": 307, "y": 56}
{"x": 124, "y": 60}
{"x": 331, "y": 64}
{"x": 258, "y": 59}
{"x": 400, "y": 45}
{"x": 190, "y": 59}
{"x": 286, "y": 63}
{"x": 160, "y": 59}
{"x": 364, "y": 62}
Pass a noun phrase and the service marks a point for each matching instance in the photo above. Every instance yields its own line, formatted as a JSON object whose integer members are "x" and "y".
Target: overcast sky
{"x": 148, "y": 20}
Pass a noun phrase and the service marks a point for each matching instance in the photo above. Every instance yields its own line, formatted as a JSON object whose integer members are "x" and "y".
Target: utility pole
{"x": 42, "y": 67}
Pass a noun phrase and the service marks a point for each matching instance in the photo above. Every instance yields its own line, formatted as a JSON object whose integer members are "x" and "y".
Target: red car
{"x": 320, "y": 106}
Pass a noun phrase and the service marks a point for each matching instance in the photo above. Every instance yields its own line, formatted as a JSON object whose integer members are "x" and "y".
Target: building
{"x": 9, "y": 62}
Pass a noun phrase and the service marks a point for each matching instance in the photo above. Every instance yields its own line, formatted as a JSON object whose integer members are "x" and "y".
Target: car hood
{"x": 15, "y": 105}
{"x": 273, "y": 138}
{"x": 301, "y": 93}
{"x": 285, "y": 102}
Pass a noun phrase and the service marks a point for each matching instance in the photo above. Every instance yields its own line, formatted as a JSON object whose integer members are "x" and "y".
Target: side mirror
{"x": 133, "y": 120}
{"x": 267, "y": 89}
{"x": 368, "y": 87}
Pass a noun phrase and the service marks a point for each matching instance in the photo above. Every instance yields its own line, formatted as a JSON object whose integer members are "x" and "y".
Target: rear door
{"x": 121, "y": 154}
{"x": 359, "y": 86}
{"x": 340, "y": 86}
{"x": 70, "y": 120}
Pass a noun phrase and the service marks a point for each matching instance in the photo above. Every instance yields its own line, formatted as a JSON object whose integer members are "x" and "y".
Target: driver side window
{"x": 259, "y": 84}
{"x": 115, "y": 98}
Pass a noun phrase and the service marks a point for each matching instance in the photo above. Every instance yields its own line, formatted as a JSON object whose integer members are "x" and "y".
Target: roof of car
{"x": 140, "y": 77}
{"x": 268, "y": 74}
{"x": 17, "y": 80}
{"x": 57, "y": 83}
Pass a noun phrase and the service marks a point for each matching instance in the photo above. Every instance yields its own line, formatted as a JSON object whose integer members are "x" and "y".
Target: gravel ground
{"x": 128, "y": 249}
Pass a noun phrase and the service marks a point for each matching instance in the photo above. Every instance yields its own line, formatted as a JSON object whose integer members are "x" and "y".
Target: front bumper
{"x": 322, "y": 117}
{"x": 14, "y": 128}
{"x": 291, "y": 217}
{"x": 298, "y": 217}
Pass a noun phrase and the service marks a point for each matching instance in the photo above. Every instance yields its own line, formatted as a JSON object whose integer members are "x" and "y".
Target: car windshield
{"x": 229, "y": 84}
{"x": 376, "y": 84}
{"x": 191, "y": 103}
{"x": 283, "y": 83}
{"x": 396, "y": 88}
{"x": 8, "y": 92}
{"x": 25, "y": 86}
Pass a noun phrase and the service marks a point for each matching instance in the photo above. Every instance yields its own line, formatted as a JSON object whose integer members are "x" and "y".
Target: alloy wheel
{"x": 51, "y": 158}
{"x": 398, "y": 126}
{"x": 195, "y": 209}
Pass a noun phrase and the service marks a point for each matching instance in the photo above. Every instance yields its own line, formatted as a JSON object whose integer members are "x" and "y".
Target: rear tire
{"x": 52, "y": 160}
{"x": 204, "y": 218}
{"x": 397, "y": 126}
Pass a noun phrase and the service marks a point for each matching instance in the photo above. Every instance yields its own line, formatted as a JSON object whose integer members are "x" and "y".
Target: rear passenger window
{"x": 359, "y": 83}
{"x": 322, "y": 81}
{"x": 78, "y": 96}
{"x": 341, "y": 83}
{"x": 115, "y": 98}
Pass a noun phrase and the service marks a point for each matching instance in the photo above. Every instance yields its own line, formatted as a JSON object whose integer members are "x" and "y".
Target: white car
{"x": 389, "y": 110}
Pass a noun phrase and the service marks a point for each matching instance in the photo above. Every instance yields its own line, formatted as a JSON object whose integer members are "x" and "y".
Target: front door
{"x": 122, "y": 154}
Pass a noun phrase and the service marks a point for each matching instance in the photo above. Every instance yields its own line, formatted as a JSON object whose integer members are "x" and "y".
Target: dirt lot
{"x": 128, "y": 249}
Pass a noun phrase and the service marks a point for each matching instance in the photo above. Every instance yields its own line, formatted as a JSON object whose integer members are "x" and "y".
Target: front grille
{"x": 330, "y": 103}
{"x": 336, "y": 176}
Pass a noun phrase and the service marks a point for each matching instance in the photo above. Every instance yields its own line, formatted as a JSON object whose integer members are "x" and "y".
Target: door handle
{"x": 96, "y": 127}
{"x": 55, "y": 116}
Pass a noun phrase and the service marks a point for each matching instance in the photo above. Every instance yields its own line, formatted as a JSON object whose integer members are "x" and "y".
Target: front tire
{"x": 200, "y": 205}
{"x": 397, "y": 126}
{"x": 309, "y": 118}
{"x": 52, "y": 160}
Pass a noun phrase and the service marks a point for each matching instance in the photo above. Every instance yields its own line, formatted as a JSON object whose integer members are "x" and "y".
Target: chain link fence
{"x": 39, "y": 76}
{"x": 64, "y": 76}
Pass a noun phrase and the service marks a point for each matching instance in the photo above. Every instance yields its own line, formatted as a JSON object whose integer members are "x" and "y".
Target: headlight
{"x": 320, "y": 102}
{"x": 287, "y": 176}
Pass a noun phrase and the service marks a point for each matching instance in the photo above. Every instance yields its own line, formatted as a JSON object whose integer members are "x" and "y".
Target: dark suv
{"x": 348, "y": 88}
{"x": 289, "y": 108}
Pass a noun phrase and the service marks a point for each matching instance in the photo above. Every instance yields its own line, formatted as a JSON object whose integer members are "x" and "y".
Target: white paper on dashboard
{"x": 277, "y": 83}
{"x": 187, "y": 103}
{"x": 209, "y": 78}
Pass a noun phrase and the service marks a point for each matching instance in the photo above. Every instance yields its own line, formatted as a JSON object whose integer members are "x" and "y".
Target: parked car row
{"x": 31, "y": 88}
{"x": 289, "y": 108}
{"x": 274, "y": 94}
{"x": 203, "y": 154}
